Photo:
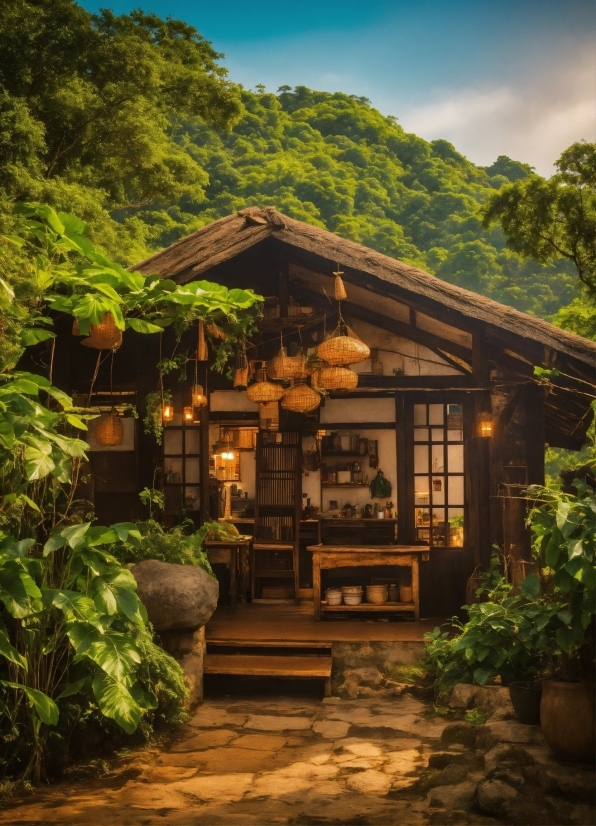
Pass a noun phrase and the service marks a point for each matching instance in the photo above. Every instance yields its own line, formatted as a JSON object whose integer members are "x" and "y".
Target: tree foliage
{"x": 555, "y": 218}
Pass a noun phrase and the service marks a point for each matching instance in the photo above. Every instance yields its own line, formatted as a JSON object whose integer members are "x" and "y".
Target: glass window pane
{"x": 438, "y": 434}
{"x": 421, "y": 490}
{"x": 420, "y": 458}
{"x": 173, "y": 469}
{"x": 192, "y": 440}
{"x": 455, "y": 435}
{"x": 422, "y": 517}
{"x": 421, "y": 434}
{"x": 420, "y": 414}
{"x": 191, "y": 498}
{"x": 172, "y": 441}
{"x": 438, "y": 516}
{"x": 173, "y": 498}
{"x": 456, "y": 527}
{"x": 456, "y": 490}
{"x": 438, "y": 460}
{"x": 438, "y": 487}
{"x": 455, "y": 458}
{"x": 193, "y": 470}
{"x": 435, "y": 414}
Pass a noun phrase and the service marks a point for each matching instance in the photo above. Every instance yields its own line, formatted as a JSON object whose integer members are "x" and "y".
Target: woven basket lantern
{"x": 336, "y": 378}
{"x": 109, "y": 430}
{"x": 300, "y": 399}
{"x": 202, "y": 351}
{"x": 76, "y": 330}
{"x": 105, "y": 335}
{"x": 342, "y": 348}
{"x": 264, "y": 391}
{"x": 283, "y": 366}
{"x": 241, "y": 372}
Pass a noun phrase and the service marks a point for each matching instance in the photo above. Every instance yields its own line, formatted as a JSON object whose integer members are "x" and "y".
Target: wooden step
{"x": 255, "y": 643}
{"x": 252, "y": 665}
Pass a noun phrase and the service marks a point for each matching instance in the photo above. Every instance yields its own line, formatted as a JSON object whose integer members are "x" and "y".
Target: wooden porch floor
{"x": 278, "y": 625}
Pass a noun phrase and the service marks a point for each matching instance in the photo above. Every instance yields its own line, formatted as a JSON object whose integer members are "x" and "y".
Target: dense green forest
{"x": 132, "y": 123}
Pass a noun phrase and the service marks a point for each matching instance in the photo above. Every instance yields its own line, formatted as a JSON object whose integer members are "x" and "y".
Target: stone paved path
{"x": 261, "y": 762}
{"x": 371, "y": 762}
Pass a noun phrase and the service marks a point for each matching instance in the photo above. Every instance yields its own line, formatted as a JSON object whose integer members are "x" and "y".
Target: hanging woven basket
{"x": 264, "y": 391}
{"x": 241, "y": 372}
{"x": 336, "y": 378}
{"x": 342, "y": 348}
{"x": 283, "y": 366}
{"x": 109, "y": 430}
{"x": 202, "y": 351}
{"x": 301, "y": 399}
{"x": 105, "y": 335}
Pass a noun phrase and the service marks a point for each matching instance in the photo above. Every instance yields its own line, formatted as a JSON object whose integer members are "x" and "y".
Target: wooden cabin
{"x": 447, "y": 407}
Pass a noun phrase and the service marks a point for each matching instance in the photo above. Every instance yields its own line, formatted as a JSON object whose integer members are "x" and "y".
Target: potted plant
{"x": 564, "y": 532}
{"x": 507, "y": 636}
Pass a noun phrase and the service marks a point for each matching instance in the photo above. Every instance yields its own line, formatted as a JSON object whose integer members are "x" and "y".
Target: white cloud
{"x": 532, "y": 120}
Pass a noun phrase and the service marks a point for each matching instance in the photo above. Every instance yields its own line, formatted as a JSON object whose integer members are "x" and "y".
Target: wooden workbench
{"x": 228, "y": 552}
{"x": 353, "y": 556}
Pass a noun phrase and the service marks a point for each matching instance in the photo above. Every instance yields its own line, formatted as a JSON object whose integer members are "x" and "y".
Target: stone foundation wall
{"x": 188, "y": 647}
{"x": 359, "y": 669}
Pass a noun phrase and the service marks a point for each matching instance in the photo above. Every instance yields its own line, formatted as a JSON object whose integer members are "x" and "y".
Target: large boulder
{"x": 176, "y": 597}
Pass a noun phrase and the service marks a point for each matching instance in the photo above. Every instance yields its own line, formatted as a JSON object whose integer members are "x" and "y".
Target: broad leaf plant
{"x": 67, "y": 604}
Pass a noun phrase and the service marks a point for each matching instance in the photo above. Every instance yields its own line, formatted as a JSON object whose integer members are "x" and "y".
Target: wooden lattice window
{"x": 439, "y": 489}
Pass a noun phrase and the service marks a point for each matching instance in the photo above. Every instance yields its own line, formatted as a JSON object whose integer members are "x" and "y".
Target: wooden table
{"x": 227, "y": 553}
{"x": 352, "y": 556}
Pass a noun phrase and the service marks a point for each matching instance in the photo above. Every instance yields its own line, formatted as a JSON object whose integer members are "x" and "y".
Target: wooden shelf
{"x": 339, "y": 453}
{"x": 368, "y": 606}
{"x": 344, "y": 485}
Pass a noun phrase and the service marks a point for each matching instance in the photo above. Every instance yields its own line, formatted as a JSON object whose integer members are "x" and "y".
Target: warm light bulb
{"x": 228, "y": 454}
{"x": 167, "y": 412}
{"x": 199, "y": 399}
{"x": 187, "y": 414}
{"x": 484, "y": 424}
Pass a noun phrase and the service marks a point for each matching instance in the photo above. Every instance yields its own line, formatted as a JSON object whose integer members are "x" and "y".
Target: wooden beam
{"x": 415, "y": 382}
{"x": 408, "y": 331}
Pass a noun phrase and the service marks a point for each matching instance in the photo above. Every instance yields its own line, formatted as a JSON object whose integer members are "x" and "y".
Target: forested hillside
{"x": 132, "y": 123}
{"x": 334, "y": 161}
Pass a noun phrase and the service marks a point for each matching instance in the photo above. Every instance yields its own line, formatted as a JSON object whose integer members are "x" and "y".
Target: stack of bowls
{"x": 333, "y": 596}
{"x": 352, "y": 594}
{"x": 377, "y": 594}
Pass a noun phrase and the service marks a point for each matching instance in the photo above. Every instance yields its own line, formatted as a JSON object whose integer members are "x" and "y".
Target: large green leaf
{"x": 82, "y": 635}
{"x": 13, "y": 592}
{"x": 75, "y": 533}
{"x": 141, "y": 326}
{"x": 45, "y": 708}
{"x": 116, "y": 702}
{"x": 37, "y": 463}
{"x": 117, "y": 655}
{"x": 10, "y": 653}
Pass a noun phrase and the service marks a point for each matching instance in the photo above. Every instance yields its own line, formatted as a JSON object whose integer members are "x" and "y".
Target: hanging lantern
{"x": 167, "y": 412}
{"x": 202, "y": 351}
{"x": 339, "y": 288}
{"x": 484, "y": 425}
{"x": 105, "y": 335}
{"x": 335, "y": 378}
{"x": 241, "y": 372}
{"x": 76, "y": 330}
{"x": 341, "y": 348}
{"x": 187, "y": 415}
{"x": 198, "y": 398}
{"x": 300, "y": 399}
{"x": 283, "y": 366}
{"x": 263, "y": 390}
{"x": 108, "y": 429}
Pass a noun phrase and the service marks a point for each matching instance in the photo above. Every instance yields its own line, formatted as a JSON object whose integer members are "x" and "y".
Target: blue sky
{"x": 514, "y": 77}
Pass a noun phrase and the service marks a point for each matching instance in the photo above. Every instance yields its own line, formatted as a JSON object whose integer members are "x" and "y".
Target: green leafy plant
{"x": 507, "y": 636}
{"x": 174, "y": 545}
{"x": 152, "y": 498}
{"x": 564, "y": 539}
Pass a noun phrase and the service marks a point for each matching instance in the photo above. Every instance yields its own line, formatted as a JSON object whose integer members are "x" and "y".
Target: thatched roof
{"x": 216, "y": 243}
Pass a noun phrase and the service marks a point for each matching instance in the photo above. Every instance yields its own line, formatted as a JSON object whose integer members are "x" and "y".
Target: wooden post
{"x": 204, "y": 460}
{"x": 480, "y": 482}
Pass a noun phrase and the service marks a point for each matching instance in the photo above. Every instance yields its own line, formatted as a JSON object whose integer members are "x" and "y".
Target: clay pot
{"x": 526, "y": 703}
{"x": 406, "y": 593}
{"x": 567, "y": 717}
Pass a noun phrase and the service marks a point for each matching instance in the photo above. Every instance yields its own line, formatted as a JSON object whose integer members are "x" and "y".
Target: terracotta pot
{"x": 526, "y": 703}
{"x": 567, "y": 718}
